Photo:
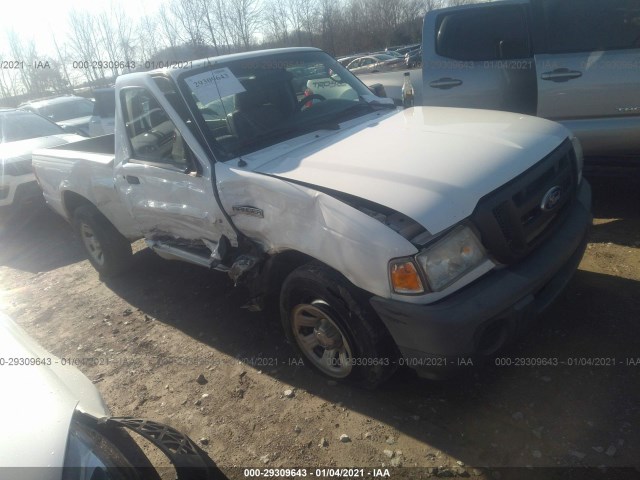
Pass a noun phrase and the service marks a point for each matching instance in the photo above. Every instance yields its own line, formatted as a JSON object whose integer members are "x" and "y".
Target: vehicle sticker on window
{"x": 214, "y": 84}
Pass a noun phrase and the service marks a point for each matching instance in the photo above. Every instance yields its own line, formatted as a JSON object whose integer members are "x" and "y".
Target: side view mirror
{"x": 378, "y": 90}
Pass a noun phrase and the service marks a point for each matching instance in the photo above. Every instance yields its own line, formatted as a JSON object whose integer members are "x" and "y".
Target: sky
{"x": 39, "y": 19}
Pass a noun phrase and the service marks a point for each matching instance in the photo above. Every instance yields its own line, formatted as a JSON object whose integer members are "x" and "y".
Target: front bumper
{"x": 481, "y": 318}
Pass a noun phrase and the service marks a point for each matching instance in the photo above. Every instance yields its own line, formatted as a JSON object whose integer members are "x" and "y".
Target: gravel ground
{"x": 166, "y": 341}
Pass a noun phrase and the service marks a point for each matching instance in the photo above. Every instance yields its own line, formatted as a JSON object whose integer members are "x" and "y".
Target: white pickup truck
{"x": 383, "y": 236}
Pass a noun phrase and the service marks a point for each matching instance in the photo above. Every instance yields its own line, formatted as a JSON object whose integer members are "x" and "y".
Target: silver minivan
{"x": 573, "y": 61}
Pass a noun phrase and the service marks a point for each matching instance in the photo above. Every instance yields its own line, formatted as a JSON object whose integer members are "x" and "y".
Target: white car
{"x": 376, "y": 63}
{"x": 21, "y": 133}
{"x": 56, "y": 425}
{"x": 69, "y": 111}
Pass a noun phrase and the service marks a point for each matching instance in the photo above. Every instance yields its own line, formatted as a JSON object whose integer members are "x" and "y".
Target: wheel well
{"x": 273, "y": 273}
{"x": 72, "y": 201}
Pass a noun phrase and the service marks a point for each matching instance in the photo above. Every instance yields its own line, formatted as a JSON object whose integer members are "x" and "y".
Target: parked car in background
{"x": 413, "y": 58}
{"x": 375, "y": 63}
{"x": 344, "y": 61}
{"x": 57, "y": 427}
{"x": 407, "y": 48}
{"x": 20, "y": 133}
{"x": 573, "y": 61}
{"x": 69, "y": 111}
{"x": 393, "y": 53}
{"x": 104, "y": 111}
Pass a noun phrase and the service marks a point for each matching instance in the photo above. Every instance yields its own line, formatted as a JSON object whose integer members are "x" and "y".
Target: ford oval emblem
{"x": 551, "y": 199}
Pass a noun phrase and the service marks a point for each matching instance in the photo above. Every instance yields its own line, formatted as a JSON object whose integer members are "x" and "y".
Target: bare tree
{"x": 84, "y": 44}
{"x": 62, "y": 60}
{"x": 188, "y": 16}
{"x": 222, "y": 26}
{"x": 222, "y": 23}
{"x": 206, "y": 7}
{"x": 124, "y": 35}
{"x": 148, "y": 38}
{"x": 244, "y": 18}
{"x": 294, "y": 13}
{"x": 308, "y": 18}
{"x": 6, "y": 83}
{"x": 168, "y": 26}
{"x": 275, "y": 21}
{"x": 107, "y": 36}
{"x": 329, "y": 17}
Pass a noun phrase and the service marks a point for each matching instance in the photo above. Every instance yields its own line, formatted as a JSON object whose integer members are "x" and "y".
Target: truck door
{"x": 588, "y": 64}
{"x": 168, "y": 189}
{"x": 479, "y": 56}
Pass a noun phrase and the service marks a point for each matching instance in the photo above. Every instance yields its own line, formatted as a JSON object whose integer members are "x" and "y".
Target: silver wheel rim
{"x": 321, "y": 340}
{"x": 92, "y": 244}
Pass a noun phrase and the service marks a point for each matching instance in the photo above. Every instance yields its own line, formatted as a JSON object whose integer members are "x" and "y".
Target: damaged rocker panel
{"x": 205, "y": 253}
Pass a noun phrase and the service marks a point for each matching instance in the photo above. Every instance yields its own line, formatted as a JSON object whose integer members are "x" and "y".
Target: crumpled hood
{"x": 432, "y": 164}
{"x": 23, "y": 148}
{"x": 37, "y": 403}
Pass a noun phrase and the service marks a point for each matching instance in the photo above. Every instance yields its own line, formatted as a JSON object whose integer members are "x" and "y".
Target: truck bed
{"x": 104, "y": 145}
{"x": 84, "y": 167}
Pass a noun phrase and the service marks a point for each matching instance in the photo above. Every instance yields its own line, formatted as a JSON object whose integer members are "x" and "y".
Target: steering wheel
{"x": 301, "y": 103}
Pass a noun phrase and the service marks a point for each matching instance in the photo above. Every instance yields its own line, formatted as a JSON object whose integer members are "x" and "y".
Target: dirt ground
{"x": 149, "y": 334}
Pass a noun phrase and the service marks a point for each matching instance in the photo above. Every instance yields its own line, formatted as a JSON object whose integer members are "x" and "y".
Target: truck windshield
{"x": 255, "y": 102}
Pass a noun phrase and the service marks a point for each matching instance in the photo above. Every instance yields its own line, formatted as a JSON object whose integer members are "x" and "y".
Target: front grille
{"x": 511, "y": 220}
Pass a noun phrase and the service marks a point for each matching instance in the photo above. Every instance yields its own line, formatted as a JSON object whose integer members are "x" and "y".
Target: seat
{"x": 256, "y": 111}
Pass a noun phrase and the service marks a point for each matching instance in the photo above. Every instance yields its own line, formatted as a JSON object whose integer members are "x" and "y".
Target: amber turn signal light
{"x": 405, "y": 278}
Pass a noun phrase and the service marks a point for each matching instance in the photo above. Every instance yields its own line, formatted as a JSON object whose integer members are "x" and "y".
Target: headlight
{"x": 577, "y": 147}
{"x": 451, "y": 257}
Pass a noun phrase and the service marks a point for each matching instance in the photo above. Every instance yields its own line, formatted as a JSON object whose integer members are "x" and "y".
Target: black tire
{"x": 115, "y": 249}
{"x": 317, "y": 293}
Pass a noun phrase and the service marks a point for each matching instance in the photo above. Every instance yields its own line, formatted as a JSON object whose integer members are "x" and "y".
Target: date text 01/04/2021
{"x": 317, "y": 472}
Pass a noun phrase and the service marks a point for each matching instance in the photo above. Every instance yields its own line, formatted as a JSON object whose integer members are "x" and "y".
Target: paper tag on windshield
{"x": 214, "y": 85}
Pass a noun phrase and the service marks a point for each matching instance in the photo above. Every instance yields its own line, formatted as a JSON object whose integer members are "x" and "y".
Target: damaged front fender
{"x": 302, "y": 219}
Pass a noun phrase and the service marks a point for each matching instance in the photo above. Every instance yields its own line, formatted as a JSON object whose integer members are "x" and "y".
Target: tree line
{"x": 99, "y": 47}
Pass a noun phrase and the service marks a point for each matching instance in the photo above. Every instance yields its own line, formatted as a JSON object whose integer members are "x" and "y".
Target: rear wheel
{"x": 109, "y": 252}
{"x": 331, "y": 323}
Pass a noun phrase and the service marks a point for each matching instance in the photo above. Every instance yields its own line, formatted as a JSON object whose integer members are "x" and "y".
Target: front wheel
{"x": 332, "y": 325}
{"x": 109, "y": 252}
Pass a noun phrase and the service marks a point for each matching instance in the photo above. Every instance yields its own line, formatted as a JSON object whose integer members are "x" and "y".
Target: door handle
{"x": 561, "y": 75}
{"x": 132, "y": 180}
{"x": 445, "y": 83}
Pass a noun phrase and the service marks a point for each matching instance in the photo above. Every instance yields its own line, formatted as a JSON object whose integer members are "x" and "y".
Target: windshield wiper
{"x": 378, "y": 105}
{"x": 364, "y": 105}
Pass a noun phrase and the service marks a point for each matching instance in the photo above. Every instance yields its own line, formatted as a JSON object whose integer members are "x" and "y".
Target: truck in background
{"x": 576, "y": 62}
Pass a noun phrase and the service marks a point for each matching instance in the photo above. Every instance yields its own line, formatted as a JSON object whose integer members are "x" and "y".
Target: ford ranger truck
{"x": 576, "y": 62}
{"x": 382, "y": 236}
